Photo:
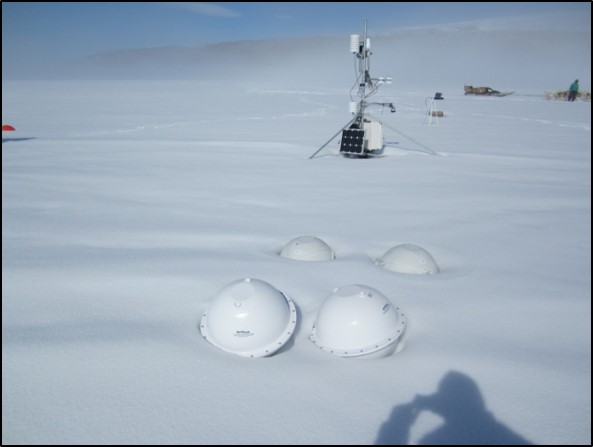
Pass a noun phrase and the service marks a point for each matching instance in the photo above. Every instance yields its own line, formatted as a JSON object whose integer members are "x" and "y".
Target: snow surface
{"x": 127, "y": 205}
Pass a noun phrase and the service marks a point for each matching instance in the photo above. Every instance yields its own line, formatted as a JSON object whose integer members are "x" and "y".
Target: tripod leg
{"x": 331, "y": 139}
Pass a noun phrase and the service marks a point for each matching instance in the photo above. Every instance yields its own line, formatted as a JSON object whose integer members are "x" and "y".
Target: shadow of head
{"x": 457, "y": 396}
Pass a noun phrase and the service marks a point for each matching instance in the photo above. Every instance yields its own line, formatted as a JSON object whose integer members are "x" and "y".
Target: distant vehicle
{"x": 484, "y": 91}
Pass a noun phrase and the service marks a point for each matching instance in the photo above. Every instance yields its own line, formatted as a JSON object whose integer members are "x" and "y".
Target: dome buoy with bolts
{"x": 307, "y": 248}
{"x": 250, "y": 318}
{"x": 408, "y": 258}
{"x": 356, "y": 321}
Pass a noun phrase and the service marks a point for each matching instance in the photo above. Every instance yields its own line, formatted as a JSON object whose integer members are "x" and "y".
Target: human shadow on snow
{"x": 459, "y": 402}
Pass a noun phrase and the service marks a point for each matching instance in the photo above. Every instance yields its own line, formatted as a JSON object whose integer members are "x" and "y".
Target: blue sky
{"x": 62, "y": 31}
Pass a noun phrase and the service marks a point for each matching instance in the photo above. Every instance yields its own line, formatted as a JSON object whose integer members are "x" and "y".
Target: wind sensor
{"x": 362, "y": 136}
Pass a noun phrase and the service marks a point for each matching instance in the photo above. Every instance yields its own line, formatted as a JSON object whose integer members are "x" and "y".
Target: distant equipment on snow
{"x": 432, "y": 110}
{"x": 562, "y": 95}
{"x": 362, "y": 136}
{"x": 483, "y": 91}
{"x": 7, "y": 128}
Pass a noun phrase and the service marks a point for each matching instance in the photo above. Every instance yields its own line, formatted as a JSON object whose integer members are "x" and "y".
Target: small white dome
{"x": 249, "y": 317}
{"x": 408, "y": 258}
{"x": 356, "y": 321}
{"x": 307, "y": 248}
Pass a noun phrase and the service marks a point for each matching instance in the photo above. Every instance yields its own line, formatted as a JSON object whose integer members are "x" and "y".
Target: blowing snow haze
{"x": 527, "y": 52}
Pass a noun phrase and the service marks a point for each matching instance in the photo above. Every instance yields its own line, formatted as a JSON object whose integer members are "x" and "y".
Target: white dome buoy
{"x": 307, "y": 248}
{"x": 408, "y": 258}
{"x": 250, "y": 318}
{"x": 357, "y": 321}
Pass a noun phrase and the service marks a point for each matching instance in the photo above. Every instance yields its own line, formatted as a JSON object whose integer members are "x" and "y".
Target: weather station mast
{"x": 362, "y": 136}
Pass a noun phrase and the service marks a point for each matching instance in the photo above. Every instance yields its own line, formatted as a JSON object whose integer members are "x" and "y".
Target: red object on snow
{"x": 7, "y": 127}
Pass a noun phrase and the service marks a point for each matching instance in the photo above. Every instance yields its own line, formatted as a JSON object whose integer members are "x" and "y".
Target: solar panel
{"x": 352, "y": 141}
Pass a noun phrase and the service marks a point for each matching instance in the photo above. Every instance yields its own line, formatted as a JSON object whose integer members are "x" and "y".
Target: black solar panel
{"x": 352, "y": 141}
